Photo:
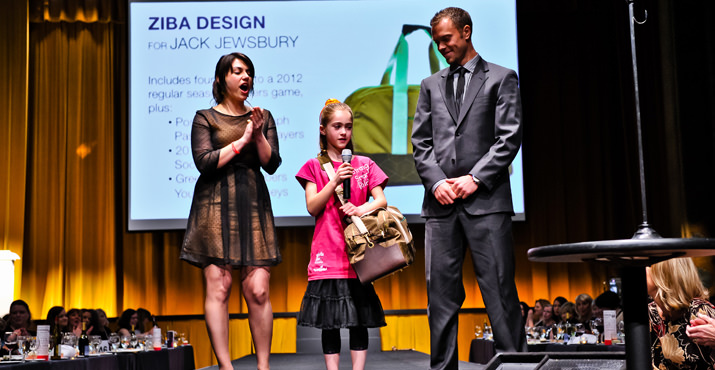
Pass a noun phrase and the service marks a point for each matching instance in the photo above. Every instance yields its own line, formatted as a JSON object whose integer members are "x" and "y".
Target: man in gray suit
{"x": 466, "y": 132}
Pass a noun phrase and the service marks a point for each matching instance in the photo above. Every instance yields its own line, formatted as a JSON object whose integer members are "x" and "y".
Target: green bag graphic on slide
{"x": 383, "y": 115}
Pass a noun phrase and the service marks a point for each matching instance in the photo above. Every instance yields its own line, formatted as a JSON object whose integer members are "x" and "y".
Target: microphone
{"x": 347, "y": 157}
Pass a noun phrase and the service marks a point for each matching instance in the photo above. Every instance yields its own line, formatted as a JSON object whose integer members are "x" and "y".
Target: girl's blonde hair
{"x": 326, "y": 114}
{"x": 677, "y": 283}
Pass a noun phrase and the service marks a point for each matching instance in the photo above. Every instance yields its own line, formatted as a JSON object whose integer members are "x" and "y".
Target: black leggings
{"x": 331, "y": 340}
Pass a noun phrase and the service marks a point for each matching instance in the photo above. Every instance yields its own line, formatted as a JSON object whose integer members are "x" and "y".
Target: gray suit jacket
{"x": 482, "y": 141}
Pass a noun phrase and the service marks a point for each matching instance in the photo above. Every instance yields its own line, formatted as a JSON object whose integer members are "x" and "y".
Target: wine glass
{"x": 31, "y": 347}
{"x": 488, "y": 332}
{"x": 10, "y": 340}
{"x": 477, "y": 331}
{"x": 147, "y": 342}
{"x": 133, "y": 340}
{"x": 579, "y": 329}
{"x": 597, "y": 328}
{"x": 94, "y": 342}
{"x": 545, "y": 333}
{"x": 124, "y": 341}
{"x": 21, "y": 345}
{"x": 114, "y": 341}
{"x": 559, "y": 332}
{"x": 70, "y": 339}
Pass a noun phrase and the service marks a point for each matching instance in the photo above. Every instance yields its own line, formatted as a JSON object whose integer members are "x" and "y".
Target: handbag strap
{"x": 400, "y": 102}
{"x": 328, "y": 167}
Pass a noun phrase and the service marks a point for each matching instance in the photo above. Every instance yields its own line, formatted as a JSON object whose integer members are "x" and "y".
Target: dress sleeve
{"x": 205, "y": 155}
{"x": 269, "y": 130}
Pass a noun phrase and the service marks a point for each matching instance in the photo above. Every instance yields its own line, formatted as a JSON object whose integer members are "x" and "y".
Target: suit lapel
{"x": 447, "y": 89}
{"x": 475, "y": 86}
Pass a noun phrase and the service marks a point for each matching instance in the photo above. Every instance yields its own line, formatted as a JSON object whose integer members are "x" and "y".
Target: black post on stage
{"x": 644, "y": 230}
{"x": 636, "y": 321}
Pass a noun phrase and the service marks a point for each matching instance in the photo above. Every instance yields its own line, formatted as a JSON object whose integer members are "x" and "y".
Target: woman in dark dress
{"x": 231, "y": 222}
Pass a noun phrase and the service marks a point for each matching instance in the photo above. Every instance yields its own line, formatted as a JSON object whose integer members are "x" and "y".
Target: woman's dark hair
{"x": 74, "y": 311}
{"x": 557, "y": 313}
{"x": 52, "y": 316}
{"x": 561, "y": 300}
{"x": 525, "y": 307}
{"x": 97, "y": 329}
{"x": 126, "y": 318}
{"x": 143, "y": 314}
{"x": 223, "y": 66}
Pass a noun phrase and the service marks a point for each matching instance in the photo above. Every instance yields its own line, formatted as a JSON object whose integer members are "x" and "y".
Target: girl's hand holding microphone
{"x": 345, "y": 172}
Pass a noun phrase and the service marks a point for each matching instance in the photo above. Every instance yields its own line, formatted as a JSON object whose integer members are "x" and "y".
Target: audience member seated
{"x": 20, "y": 320}
{"x": 558, "y": 301}
{"x": 607, "y": 300}
{"x": 127, "y": 322}
{"x": 103, "y": 322}
{"x": 91, "y": 320}
{"x": 74, "y": 321}
{"x": 534, "y": 315}
{"x": 524, "y": 312}
{"x": 547, "y": 317}
{"x": 144, "y": 322}
{"x": 57, "y": 316}
{"x": 678, "y": 295}
{"x": 568, "y": 313}
{"x": 583, "y": 309}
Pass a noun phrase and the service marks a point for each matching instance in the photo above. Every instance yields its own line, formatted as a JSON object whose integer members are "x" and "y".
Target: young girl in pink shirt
{"x": 335, "y": 298}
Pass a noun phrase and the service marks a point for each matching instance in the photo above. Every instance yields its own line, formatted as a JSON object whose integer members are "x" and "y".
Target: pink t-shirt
{"x": 328, "y": 259}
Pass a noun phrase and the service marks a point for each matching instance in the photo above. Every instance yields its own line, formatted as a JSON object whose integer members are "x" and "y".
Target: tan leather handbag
{"x": 378, "y": 243}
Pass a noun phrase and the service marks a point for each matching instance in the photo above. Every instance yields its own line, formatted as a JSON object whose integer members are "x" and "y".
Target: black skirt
{"x": 340, "y": 303}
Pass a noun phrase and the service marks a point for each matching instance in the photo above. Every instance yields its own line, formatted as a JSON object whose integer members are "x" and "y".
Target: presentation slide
{"x": 304, "y": 53}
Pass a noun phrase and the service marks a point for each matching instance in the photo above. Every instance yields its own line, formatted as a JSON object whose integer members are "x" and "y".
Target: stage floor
{"x": 395, "y": 360}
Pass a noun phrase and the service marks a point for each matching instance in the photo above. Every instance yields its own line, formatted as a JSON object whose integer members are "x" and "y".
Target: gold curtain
{"x": 70, "y": 244}
{"x": 13, "y": 130}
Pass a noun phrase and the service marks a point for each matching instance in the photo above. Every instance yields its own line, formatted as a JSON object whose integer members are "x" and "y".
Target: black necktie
{"x": 460, "y": 87}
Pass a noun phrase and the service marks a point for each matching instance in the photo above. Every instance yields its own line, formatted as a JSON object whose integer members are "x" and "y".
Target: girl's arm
{"x": 316, "y": 201}
{"x": 378, "y": 201}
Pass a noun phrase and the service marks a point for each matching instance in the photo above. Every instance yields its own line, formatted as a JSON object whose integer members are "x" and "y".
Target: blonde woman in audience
{"x": 583, "y": 308}
{"x": 678, "y": 297}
